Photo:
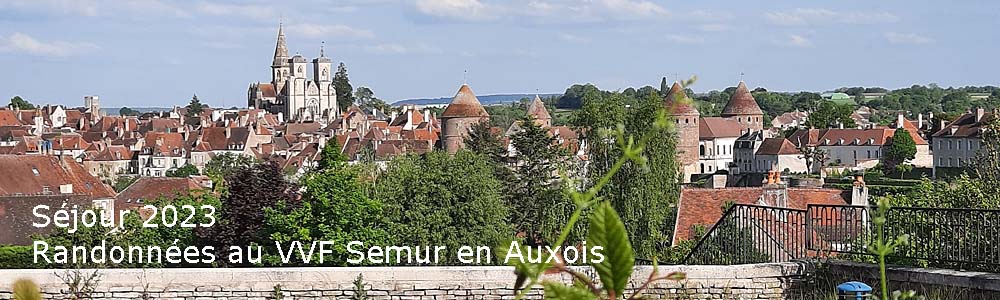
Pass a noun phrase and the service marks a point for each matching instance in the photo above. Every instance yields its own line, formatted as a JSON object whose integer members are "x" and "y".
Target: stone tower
{"x": 686, "y": 118}
{"x": 537, "y": 111}
{"x": 462, "y": 113}
{"x": 279, "y": 67}
{"x": 92, "y": 103}
{"x": 743, "y": 108}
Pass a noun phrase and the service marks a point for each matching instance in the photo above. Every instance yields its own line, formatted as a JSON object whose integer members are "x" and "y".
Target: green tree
{"x": 645, "y": 192}
{"x": 125, "y": 111}
{"x": 224, "y": 165}
{"x": 185, "y": 171}
{"x": 986, "y": 164}
{"x": 830, "y": 114}
{"x": 19, "y": 103}
{"x": 343, "y": 86}
{"x": 457, "y": 201}
{"x": 366, "y": 99}
{"x": 535, "y": 195}
{"x": 899, "y": 151}
{"x": 484, "y": 141}
{"x": 334, "y": 208}
{"x": 331, "y": 157}
{"x": 193, "y": 111}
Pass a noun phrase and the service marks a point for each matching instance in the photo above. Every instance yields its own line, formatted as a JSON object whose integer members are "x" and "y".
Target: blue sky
{"x": 159, "y": 52}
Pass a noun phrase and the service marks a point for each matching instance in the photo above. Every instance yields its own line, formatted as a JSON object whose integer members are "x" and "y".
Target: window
{"x": 34, "y": 171}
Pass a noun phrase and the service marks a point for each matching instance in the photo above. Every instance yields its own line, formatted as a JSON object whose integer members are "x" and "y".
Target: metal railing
{"x": 938, "y": 237}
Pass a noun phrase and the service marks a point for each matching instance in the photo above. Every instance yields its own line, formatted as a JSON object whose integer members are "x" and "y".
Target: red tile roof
{"x": 7, "y": 118}
{"x": 149, "y": 188}
{"x": 537, "y": 109}
{"x": 701, "y": 206}
{"x": 741, "y": 103}
{"x": 677, "y": 101}
{"x": 716, "y": 127}
{"x": 465, "y": 104}
{"x": 34, "y": 174}
{"x": 777, "y": 146}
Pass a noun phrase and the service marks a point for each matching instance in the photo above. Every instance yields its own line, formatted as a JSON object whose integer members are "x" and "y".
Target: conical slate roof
{"x": 677, "y": 103}
{"x": 280, "y": 49}
{"x": 741, "y": 103}
{"x": 537, "y": 109}
{"x": 465, "y": 104}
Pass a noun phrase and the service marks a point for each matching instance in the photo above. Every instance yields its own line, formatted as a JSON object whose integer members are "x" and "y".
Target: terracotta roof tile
{"x": 465, "y": 104}
{"x": 678, "y": 101}
{"x": 716, "y": 127}
{"x": 741, "y": 103}
{"x": 777, "y": 146}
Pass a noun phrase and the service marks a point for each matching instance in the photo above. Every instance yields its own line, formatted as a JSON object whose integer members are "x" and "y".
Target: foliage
{"x": 360, "y": 293}
{"x": 193, "y": 111}
{"x": 643, "y": 193}
{"x": 900, "y": 150}
{"x": 19, "y": 103}
{"x": 502, "y": 116}
{"x": 123, "y": 182}
{"x": 16, "y": 257}
{"x": 366, "y": 99}
{"x": 814, "y": 157}
{"x": 606, "y": 230}
{"x": 880, "y": 247}
{"x": 986, "y": 165}
{"x": 573, "y": 97}
{"x": 185, "y": 171}
{"x": 484, "y": 141}
{"x": 126, "y": 111}
{"x": 829, "y": 114}
{"x": 343, "y": 86}
{"x": 535, "y": 195}
{"x": 333, "y": 208}
{"x": 457, "y": 201}
{"x": 331, "y": 157}
{"x": 250, "y": 189}
{"x": 25, "y": 289}
{"x": 79, "y": 285}
{"x": 224, "y": 165}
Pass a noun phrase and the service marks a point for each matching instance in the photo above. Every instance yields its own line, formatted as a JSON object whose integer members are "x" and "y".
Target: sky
{"x": 143, "y": 53}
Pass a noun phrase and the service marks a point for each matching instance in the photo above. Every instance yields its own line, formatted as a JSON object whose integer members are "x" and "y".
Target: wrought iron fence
{"x": 939, "y": 237}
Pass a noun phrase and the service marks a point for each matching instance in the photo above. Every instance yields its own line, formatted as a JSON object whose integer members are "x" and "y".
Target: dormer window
{"x": 34, "y": 171}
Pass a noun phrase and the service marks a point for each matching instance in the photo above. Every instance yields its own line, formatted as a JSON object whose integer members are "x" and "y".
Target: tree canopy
{"x": 343, "y": 86}
{"x": 900, "y": 150}
{"x": 19, "y": 103}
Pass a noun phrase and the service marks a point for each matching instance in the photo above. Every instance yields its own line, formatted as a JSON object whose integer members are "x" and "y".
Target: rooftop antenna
{"x": 741, "y": 76}
{"x": 465, "y": 76}
{"x": 677, "y": 77}
{"x": 321, "y": 45}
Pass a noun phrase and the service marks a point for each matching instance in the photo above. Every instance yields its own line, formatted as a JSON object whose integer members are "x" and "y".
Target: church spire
{"x": 280, "y": 50}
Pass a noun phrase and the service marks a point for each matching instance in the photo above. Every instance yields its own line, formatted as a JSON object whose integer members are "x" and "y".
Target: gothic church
{"x": 291, "y": 93}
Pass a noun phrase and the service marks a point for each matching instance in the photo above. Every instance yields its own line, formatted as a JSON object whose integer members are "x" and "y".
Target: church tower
{"x": 321, "y": 67}
{"x": 743, "y": 108}
{"x": 279, "y": 67}
{"x": 686, "y": 118}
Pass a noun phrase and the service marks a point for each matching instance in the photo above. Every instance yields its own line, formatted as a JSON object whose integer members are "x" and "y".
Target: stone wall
{"x": 929, "y": 282}
{"x": 761, "y": 281}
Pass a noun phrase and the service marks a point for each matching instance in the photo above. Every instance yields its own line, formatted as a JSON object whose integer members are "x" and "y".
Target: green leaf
{"x": 606, "y": 230}
{"x": 557, "y": 290}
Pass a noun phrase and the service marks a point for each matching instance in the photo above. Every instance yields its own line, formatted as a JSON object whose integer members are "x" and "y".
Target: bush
{"x": 16, "y": 257}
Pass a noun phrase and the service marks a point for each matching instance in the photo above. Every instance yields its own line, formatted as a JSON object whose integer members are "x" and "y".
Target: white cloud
{"x": 795, "y": 40}
{"x": 329, "y": 31}
{"x": 907, "y": 38}
{"x": 572, "y": 38}
{"x": 465, "y": 10}
{"x": 87, "y": 8}
{"x": 815, "y": 16}
{"x": 640, "y": 8}
{"x": 685, "y": 39}
{"x": 390, "y": 48}
{"x": 23, "y": 43}
{"x": 246, "y": 10}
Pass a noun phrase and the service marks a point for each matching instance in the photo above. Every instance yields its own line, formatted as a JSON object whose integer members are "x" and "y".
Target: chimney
{"x": 859, "y": 193}
{"x": 229, "y": 132}
{"x": 979, "y": 114}
{"x": 942, "y": 124}
{"x": 920, "y": 121}
{"x": 427, "y": 115}
{"x": 899, "y": 120}
{"x": 392, "y": 116}
{"x": 409, "y": 118}
{"x": 718, "y": 181}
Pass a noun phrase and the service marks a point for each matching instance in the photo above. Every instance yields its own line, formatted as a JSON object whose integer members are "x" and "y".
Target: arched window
{"x": 701, "y": 150}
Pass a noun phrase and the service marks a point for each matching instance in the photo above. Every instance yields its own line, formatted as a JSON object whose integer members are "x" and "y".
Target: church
{"x": 291, "y": 93}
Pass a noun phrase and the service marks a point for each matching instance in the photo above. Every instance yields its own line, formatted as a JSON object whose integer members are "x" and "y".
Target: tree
{"x": 812, "y": 155}
{"x": 363, "y": 95}
{"x": 900, "y": 150}
{"x": 193, "y": 111}
{"x": 125, "y": 111}
{"x": 250, "y": 190}
{"x": 830, "y": 114}
{"x": 224, "y": 165}
{"x": 185, "y": 171}
{"x": 644, "y": 194}
{"x": 457, "y": 201}
{"x": 334, "y": 208}
{"x": 343, "y": 86}
{"x": 18, "y": 103}
{"x": 331, "y": 157}
{"x": 484, "y": 141}
{"x": 535, "y": 194}
{"x": 986, "y": 164}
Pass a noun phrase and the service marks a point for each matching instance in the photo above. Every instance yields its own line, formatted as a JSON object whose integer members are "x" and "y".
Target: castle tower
{"x": 92, "y": 103}
{"x": 743, "y": 108}
{"x": 279, "y": 66}
{"x": 537, "y": 111}
{"x": 326, "y": 96}
{"x": 686, "y": 118}
{"x": 462, "y": 113}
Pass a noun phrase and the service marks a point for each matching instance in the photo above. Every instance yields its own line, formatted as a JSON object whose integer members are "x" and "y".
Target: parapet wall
{"x": 929, "y": 282}
{"x": 759, "y": 281}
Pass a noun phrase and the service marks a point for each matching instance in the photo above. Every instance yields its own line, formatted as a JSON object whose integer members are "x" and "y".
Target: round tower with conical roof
{"x": 537, "y": 111}
{"x": 686, "y": 118}
{"x": 462, "y": 113}
{"x": 743, "y": 108}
